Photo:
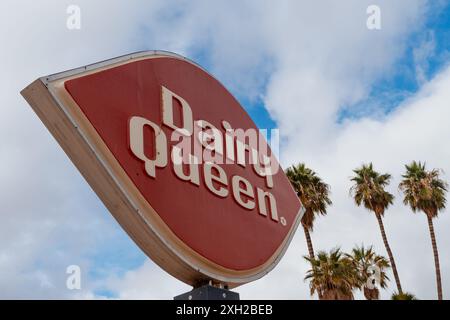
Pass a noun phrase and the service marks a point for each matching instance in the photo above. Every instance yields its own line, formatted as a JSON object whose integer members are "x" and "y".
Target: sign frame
{"x": 80, "y": 141}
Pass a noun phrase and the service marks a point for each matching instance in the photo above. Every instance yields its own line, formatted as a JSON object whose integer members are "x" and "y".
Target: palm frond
{"x": 313, "y": 193}
{"x": 423, "y": 190}
{"x": 368, "y": 189}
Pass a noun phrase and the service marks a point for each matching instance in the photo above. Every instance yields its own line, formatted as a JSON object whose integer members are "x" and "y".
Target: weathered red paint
{"x": 216, "y": 228}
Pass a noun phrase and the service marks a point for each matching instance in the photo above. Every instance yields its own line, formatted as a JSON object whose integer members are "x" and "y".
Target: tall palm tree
{"x": 369, "y": 190}
{"x": 313, "y": 194}
{"x": 370, "y": 267}
{"x": 425, "y": 191}
{"x": 332, "y": 276}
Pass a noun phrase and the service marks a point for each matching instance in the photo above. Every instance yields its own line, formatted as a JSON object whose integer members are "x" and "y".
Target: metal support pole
{"x": 209, "y": 292}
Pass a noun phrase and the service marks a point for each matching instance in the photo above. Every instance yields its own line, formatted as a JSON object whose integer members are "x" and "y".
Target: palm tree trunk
{"x": 309, "y": 242}
{"x": 436, "y": 256}
{"x": 389, "y": 252}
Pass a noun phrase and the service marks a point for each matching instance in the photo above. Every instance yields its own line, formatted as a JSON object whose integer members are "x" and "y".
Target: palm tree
{"x": 370, "y": 267}
{"x": 313, "y": 194}
{"x": 425, "y": 191}
{"x": 403, "y": 296}
{"x": 369, "y": 190}
{"x": 332, "y": 276}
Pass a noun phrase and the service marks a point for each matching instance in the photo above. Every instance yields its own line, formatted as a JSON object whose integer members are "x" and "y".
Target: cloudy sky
{"x": 340, "y": 94}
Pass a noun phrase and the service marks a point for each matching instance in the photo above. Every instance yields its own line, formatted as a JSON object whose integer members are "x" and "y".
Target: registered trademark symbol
{"x": 283, "y": 221}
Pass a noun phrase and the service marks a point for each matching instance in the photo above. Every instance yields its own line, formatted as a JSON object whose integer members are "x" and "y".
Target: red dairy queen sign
{"x": 177, "y": 161}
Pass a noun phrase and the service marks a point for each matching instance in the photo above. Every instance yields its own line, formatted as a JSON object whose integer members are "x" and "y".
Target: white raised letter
{"x": 242, "y": 146}
{"x": 262, "y": 195}
{"x": 177, "y": 159}
{"x": 221, "y": 178}
{"x": 247, "y": 191}
{"x": 229, "y": 142}
{"x": 167, "y": 110}
{"x": 137, "y": 125}
{"x": 210, "y": 138}
{"x": 263, "y": 167}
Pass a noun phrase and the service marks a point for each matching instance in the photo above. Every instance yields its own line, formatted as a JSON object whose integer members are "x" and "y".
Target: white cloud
{"x": 421, "y": 55}
{"x": 416, "y": 131}
{"x": 147, "y": 282}
{"x": 49, "y": 216}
